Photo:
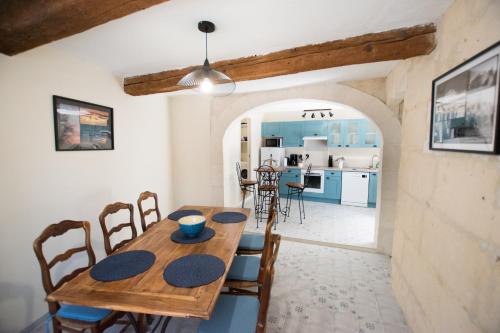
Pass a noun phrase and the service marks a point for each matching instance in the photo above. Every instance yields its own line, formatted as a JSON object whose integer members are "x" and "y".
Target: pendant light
{"x": 206, "y": 79}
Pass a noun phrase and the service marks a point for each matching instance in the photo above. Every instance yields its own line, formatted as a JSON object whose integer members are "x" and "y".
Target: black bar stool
{"x": 297, "y": 189}
{"x": 267, "y": 188}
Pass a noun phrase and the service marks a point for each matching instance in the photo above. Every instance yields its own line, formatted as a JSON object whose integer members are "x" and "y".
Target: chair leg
{"x": 300, "y": 206}
{"x": 254, "y": 192}
{"x": 303, "y": 207}
{"x": 244, "y": 195}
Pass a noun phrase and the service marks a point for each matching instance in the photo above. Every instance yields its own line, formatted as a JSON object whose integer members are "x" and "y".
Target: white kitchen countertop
{"x": 346, "y": 169}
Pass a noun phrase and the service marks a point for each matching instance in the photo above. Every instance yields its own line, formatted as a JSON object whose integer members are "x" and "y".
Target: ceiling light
{"x": 304, "y": 115}
{"x": 322, "y": 115}
{"x": 206, "y": 79}
{"x": 331, "y": 114}
{"x": 313, "y": 116}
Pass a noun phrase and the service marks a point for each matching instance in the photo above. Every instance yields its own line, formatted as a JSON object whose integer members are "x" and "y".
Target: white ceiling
{"x": 166, "y": 36}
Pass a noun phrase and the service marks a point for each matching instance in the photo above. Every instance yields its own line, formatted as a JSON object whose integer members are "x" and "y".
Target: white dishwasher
{"x": 355, "y": 188}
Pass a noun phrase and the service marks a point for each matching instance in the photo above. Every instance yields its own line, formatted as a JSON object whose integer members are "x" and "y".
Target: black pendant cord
{"x": 206, "y": 45}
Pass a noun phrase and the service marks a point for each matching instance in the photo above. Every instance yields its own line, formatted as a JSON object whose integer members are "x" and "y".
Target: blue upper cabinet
{"x": 371, "y": 137}
{"x": 314, "y": 128}
{"x": 292, "y": 134}
{"x": 271, "y": 129}
{"x": 334, "y": 134}
{"x": 352, "y": 132}
{"x": 372, "y": 189}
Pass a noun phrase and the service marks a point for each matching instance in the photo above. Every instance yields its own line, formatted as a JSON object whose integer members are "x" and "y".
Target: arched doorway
{"x": 328, "y": 221}
{"x": 225, "y": 110}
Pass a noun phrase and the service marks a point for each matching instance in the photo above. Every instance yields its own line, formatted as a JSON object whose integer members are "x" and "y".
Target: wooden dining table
{"x": 149, "y": 293}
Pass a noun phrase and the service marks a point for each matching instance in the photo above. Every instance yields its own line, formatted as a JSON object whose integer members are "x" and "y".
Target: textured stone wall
{"x": 446, "y": 252}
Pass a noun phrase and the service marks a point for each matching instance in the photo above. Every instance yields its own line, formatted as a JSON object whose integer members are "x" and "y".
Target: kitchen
{"x": 344, "y": 148}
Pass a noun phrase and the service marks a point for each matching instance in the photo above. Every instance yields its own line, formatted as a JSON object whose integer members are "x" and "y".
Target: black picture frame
{"x": 82, "y": 126}
{"x": 467, "y": 120}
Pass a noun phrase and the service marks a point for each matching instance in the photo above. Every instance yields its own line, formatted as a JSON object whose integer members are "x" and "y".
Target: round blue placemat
{"x": 184, "y": 212}
{"x": 179, "y": 237}
{"x": 229, "y": 217}
{"x": 122, "y": 265}
{"x": 194, "y": 270}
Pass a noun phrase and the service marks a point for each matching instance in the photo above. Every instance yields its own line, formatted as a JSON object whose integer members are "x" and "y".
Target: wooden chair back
{"x": 268, "y": 247}
{"x": 144, "y": 213}
{"x": 265, "y": 291}
{"x": 55, "y": 230}
{"x": 112, "y": 209}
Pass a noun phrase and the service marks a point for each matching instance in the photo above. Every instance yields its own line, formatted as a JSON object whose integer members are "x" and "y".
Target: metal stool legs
{"x": 300, "y": 201}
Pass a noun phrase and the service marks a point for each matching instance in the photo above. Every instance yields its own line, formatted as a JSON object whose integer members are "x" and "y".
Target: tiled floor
{"x": 324, "y": 289}
{"x": 327, "y": 223}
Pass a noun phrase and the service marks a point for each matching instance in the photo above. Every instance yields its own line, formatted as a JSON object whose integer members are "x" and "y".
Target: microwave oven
{"x": 273, "y": 142}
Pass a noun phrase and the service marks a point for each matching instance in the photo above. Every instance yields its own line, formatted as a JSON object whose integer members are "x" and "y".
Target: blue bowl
{"x": 192, "y": 225}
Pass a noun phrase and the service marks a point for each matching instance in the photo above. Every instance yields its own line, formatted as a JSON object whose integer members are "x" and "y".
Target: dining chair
{"x": 73, "y": 318}
{"x": 112, "y": 209}
{"x": 246, "y": 185}
{"x": 244, "y": 313}
{"x": 144, "y": 213}
{"x": 246, "y": 271}
{"x": 253, "y": 243}
{"x": 296, "y": 188}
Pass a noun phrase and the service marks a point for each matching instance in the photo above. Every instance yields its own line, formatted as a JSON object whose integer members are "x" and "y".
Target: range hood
{"x": 317, "y": 138}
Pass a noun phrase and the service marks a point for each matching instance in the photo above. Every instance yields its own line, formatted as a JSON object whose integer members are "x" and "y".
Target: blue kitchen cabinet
{"x": 291, "y": 175}
{"x": 271, "y": 129}
{"x": 372, "y": 189}
{"x": 334, "y": 134}
{"x": 314, "y": 128}
{"x": 352, "y": 133}
{"x": 333, "y": 185}
{"x": 292, "y": 134}
{"x": 370, "y": 134}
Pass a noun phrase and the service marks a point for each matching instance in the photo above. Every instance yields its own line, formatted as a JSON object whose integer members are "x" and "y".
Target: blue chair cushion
{"x": 232, "y": 313}
{"x": 82, "y": 313}
{"x": 244, "y": 268}
{"x": 252, "y": 242}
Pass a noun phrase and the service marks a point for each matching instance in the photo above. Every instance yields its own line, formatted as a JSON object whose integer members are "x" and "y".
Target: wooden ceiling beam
{"x": 26, "y": 24}
{"x": 374, "y": 47}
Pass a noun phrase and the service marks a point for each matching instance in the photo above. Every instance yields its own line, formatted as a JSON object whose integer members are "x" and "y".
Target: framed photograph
{"x": 82, "y": 126}
{"x": 465, "y": 108}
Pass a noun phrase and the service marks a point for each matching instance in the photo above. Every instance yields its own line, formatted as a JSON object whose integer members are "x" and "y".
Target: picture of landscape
{"x": 82, "y": 126}
{"x": 465, "y": 106}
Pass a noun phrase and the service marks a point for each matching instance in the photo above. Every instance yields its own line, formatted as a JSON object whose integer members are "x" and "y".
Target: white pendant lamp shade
{"x": 206, "y": 79}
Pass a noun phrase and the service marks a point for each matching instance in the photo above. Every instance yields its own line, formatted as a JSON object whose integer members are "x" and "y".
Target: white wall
{"x": 232, "y": 154}
{"x": 40, "y": 186}
{"x": 191, "y": 154}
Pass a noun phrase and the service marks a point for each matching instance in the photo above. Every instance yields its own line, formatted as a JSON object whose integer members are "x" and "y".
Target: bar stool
{"x": 296, "y": 188}
{"x": 267, "y": 188}
{"x": 246, "y": 185}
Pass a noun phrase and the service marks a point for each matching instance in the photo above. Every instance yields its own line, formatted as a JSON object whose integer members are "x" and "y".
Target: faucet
{"x": 340, "y": 162}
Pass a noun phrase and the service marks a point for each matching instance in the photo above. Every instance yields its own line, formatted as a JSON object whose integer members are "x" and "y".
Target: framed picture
{"x": 465, "y": 108}
{"x": 82, "y": 126}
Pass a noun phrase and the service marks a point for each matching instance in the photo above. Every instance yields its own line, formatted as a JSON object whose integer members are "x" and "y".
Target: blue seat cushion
{"x": 252, "y": 242}
{"x": 232, "y": 313}
{"x": 244, "y": 268}
{"x": 82, "y": 313}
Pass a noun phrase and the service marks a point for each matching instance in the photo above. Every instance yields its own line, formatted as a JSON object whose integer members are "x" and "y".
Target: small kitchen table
{"x": 148, "y": 293}
{"x": 266, "y": 190}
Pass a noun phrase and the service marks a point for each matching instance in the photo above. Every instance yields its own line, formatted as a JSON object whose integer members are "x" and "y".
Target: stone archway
{"x": 225, "y": 110}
